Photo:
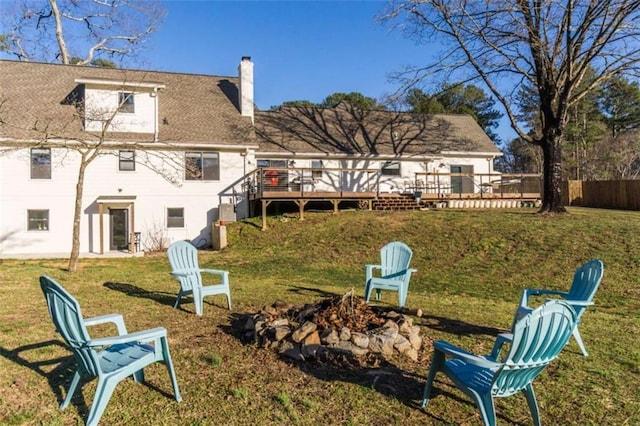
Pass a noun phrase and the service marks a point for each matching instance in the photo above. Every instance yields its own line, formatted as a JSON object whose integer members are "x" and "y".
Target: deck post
{"x": 301, "y": 203}
{"x": 335, "y": 205}
{"x": 265, "y": 204}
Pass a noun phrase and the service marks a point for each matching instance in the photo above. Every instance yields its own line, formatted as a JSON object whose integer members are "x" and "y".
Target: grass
{"x": 471, "y": 266}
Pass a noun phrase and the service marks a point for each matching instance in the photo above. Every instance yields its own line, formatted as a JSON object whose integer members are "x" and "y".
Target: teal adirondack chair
{"x": 393, "y": 272}
{"x": 110, "y": 359}
{"x": 537, "y": 340}
{"x": 183, "y": 257}
{"x": 586, "y": 281}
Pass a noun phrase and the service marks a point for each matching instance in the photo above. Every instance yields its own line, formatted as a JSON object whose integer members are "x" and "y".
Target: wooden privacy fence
{"x": 605, "y": 194}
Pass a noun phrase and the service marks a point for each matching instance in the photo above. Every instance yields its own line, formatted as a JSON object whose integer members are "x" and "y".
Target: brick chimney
{"x": 245, "y": 91}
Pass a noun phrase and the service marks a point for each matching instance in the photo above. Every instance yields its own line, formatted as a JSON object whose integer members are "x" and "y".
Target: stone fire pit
{"x": 338, "y": 326}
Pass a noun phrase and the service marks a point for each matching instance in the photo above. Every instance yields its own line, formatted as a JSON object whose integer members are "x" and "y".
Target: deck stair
{"x": 396, "y": 202}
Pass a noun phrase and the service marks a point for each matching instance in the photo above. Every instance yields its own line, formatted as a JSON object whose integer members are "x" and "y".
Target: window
{"x": 272, "y": 163}
{"x": 175, "y": 217}
{"x": 316, "y": 169}
{"x": 37, "y": 220}
{"x": 126, "y": 160}
{"x": 40, "y": 163}
{"x": 391, "y": 168}
{"x": 202, "y": 166}
{"x": 125, "y": 102}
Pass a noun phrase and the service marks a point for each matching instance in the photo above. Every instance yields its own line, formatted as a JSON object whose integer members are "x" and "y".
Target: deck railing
{"x": 478, "y": 185}
{"x": 309, "y": 182}
{"x": 302, "y": 181}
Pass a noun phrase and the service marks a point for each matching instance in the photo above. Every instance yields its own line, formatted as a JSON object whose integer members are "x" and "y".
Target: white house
{"x": 168, "y": 154}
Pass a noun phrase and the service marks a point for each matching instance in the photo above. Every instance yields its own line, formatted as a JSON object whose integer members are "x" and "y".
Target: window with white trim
{"x": 175, "y": 217}
{"x": 390, "y": 168}
{"x": 202, "y": 166}
{"x": 316, "y": 169}
{"x": 126, "y": 160}
{"x": 40, "y": 163}
{"x": 126, "y": 102}
{"x": 37, "y": 220}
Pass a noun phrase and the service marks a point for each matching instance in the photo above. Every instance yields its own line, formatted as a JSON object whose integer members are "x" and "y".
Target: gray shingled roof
{"x": 192, "y": 108}
{"x": 348, "y": 130}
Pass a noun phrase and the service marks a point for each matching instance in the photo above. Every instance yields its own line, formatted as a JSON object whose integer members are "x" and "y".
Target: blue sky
{"x": 302, "y": 50}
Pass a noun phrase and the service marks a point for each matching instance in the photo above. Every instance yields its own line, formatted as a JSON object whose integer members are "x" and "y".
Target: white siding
{"x": 100, "y": 105}
{"x": 155, "y": 188}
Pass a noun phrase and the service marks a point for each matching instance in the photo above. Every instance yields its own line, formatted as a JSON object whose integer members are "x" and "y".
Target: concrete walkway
{"x": 106, "y": 255}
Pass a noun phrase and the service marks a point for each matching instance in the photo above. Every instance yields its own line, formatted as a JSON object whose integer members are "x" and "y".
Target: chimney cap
{"x": 246, "y": 58}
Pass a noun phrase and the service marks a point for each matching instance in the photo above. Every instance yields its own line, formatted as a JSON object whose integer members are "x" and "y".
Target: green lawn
{"x": 471, "y": 266}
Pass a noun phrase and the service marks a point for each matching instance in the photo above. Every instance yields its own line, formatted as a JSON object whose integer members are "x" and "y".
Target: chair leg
{"x": 138, "y": 376}
{"x": 72, "y": 389}
{"x": 533, "y": 404}
{"x": 169, "y": 364}
{"x": 197, "y": 300}
{"x": 576, "y": 335}
{"x": 175, "y": 305}
{"x": 100, "y": 400}
{"x": 367, "y": 291}
{"x": 487, "y": 408}
{"x": 229, "y": 300}
{"x": 437, "y": 362}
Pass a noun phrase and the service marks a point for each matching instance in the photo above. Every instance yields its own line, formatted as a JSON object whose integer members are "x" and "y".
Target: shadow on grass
{"x": 457, "y": 327}
{"x": 162, "y": 298}
{"x": 312, "y": 291}
{"x": 58, "y": 378}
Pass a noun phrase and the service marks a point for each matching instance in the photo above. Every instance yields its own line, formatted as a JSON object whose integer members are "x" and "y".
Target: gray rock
{"x": 329, "y": 336}
{"x": 279, "y": 322}
{"x": 280, "y": 332}
{"x": 303, "y": 331}
{"x": 345, "y": 333}
{"x": 380, "y": 343}
{"x": 348, "y": 347}
{"x": 290, "y": 350}
{"x": 360, "y": 339}
{"x": 310, "y": 345}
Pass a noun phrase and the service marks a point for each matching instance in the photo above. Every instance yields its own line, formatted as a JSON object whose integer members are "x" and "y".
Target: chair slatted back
{"x": 538, "y": 338}
{"x": 586, "y": 281}
{"x": 394, "y": 259}
{"x": 183, "y": 257}
{"x": 66, "y": 315}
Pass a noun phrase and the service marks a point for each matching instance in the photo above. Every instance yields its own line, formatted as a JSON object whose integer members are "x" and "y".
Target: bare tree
{"x": 78, "y": 32}
{"x": 509, "y": 44}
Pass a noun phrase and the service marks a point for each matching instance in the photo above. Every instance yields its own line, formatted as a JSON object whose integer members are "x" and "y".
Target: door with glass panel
{"x": 119, "y": 226}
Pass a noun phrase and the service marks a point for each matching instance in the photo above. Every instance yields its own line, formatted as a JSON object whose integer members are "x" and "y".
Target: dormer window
{"x": 126, "y": 103}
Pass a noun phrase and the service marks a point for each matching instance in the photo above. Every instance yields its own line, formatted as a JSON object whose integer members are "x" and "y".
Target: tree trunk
{"x": 552, "y": 172}
{"x": 77, "y": 214}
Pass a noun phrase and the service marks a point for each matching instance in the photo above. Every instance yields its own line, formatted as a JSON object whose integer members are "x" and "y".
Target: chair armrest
{"x": 468, "y": 357}
{"x": 139, "y": 336}
{"x": 369, "y": 270}
{"x": 181, "y": 273}
{"x": 579, "y": 302}
{"x": 528, "y": 292}
{"x": 501, "y": 339}
{"x": 117, "y": 319}
{"x": 215, "y": 271}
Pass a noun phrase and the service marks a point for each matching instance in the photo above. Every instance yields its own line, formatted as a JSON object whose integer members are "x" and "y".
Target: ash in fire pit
{"x": 338, "y": 326}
